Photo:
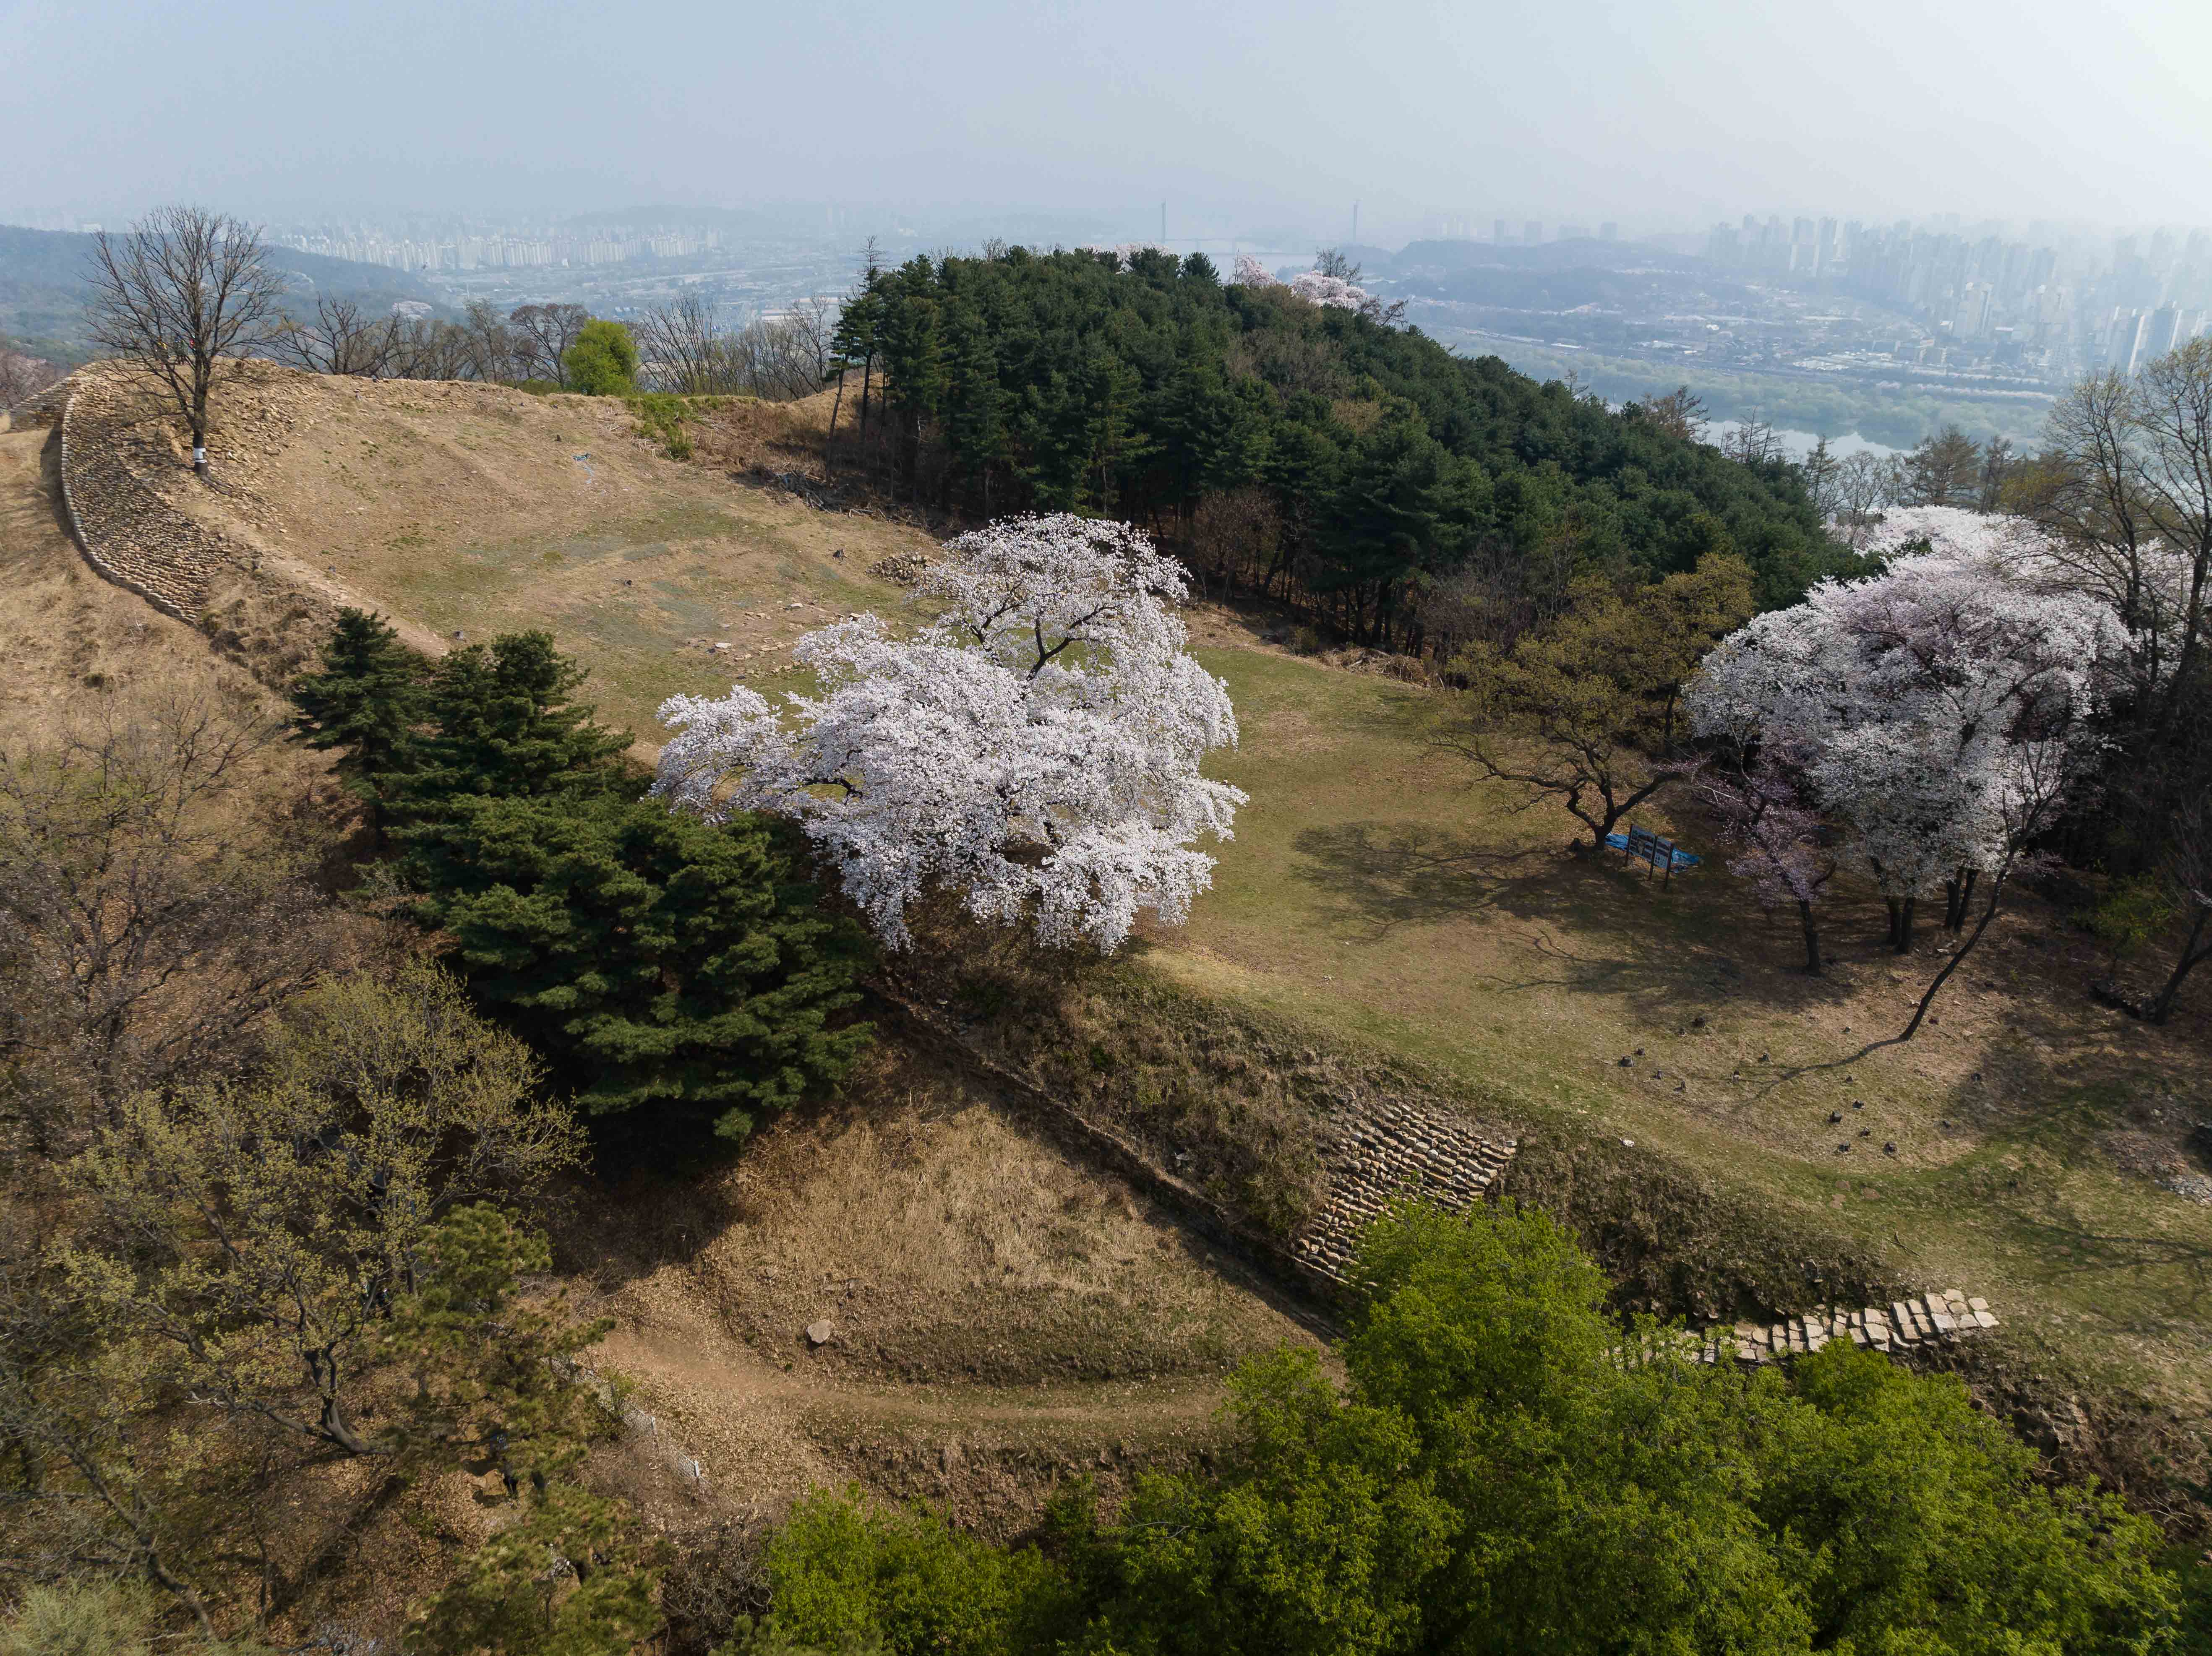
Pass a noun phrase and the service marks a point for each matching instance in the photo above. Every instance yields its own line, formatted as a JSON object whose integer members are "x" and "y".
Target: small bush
{"x": 84, "y": 1618}
{"x": 603, "y": 362}
{"x": 2133, "y": 912}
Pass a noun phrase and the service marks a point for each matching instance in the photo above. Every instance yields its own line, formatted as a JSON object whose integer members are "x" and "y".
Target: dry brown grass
{"x": 985, "y": 1293}
{"x": 66, "y": 635}
{"x": 470, "y": 510}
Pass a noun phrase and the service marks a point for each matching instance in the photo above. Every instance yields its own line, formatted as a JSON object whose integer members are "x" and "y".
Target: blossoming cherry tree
{"x": 1034, "y": 746}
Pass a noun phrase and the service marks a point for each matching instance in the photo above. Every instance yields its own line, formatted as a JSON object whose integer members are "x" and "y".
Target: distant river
{"x": 1799, "y": 443}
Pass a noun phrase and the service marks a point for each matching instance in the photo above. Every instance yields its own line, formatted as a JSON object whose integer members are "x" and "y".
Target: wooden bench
{"x": 1660, "y": 855}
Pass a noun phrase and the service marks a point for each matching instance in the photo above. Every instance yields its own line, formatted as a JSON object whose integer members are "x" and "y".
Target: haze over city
{"x": 1655, "y": 115}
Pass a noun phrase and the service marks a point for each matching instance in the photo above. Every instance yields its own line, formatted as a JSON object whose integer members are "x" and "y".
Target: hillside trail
{"x": 762, "y": 1432}
{"x": 680, "y": 1360}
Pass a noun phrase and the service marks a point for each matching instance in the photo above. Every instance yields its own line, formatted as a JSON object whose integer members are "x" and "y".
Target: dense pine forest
{"x": 1412, "y": 497}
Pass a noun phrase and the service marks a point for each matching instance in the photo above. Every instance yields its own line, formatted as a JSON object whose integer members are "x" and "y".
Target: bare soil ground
{"x": 980, "y": 1290}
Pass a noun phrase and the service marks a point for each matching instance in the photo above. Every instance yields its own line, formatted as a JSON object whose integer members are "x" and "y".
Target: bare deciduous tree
{"x": 1862, "y": 488}
{"x": 2172, "y": 417}
{"x": 2188, "y": 877}
{"x": 1752, "y": 443}
{"x": 23, "y": 377}
{"x": 495, "y": 355}
{"x": 157, "y": 899}
{"x": 2125, "y": 482}
{"x": 342, "y": 339}
{"x": 1680, "y": 413}
{"x": 431, "y": 349}
{"x": 2084, "y": 489}
{"x": 814, "y": 321}
{"x": 542, "y": 334}
{"x": 184, "y": 292}
{"x": 684, "y": 349}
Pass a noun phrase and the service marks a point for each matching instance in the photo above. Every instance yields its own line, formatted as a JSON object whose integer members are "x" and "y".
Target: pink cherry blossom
{"x": 1941, "y": 710}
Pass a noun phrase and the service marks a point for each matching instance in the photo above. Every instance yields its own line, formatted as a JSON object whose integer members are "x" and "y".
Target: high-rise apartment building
{"x": 2123, "y": 341}
{"x": 2161, "y": 332}
{"x": 1970, "y": 320}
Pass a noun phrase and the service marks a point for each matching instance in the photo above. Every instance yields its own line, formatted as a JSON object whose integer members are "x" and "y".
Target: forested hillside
{"x": 1361, "y": 465}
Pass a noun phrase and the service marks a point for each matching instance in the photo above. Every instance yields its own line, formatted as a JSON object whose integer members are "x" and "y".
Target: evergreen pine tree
{"x": 854, "y": 344}
{"x": 972, "y": 424}
{"x": 657, "y": 959}
{"x": 504, "y": 727}
{"x": 913, "y": 350}
{"x": 366, "y": 703}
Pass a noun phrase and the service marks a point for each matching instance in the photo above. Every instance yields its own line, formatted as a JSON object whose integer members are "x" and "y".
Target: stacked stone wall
{"x": 1899, "y": 1329}
{"x": 127, "y": 532}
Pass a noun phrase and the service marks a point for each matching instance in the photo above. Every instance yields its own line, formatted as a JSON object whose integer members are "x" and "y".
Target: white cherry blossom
{"x": 1035, "y": 746}
{"x": 1329, "y": 290}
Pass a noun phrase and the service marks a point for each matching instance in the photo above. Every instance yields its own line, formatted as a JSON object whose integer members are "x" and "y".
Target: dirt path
{"x": 732, "y": 1429}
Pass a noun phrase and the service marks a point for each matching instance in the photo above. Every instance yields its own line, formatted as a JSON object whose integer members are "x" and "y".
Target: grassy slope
{"x": 477, "y": 510}
{"x": 1369, "y": 891}
{"x": 1372, "y": 891}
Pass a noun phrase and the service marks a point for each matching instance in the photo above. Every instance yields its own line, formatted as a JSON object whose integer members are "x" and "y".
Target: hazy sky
{"x": 1650, "y": 112}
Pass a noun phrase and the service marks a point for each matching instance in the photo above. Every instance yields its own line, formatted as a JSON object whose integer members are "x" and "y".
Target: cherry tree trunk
{"x": 1812, "y": 937}
{"x": 2161, "y": 1008}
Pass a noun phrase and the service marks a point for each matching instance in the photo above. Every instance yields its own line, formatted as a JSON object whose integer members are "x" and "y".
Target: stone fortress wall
{"x": 1375, "y": 1152}
{"x": 126, "y": 532}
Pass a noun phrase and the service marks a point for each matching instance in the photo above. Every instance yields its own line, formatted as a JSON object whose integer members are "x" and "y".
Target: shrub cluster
{"x": 1503, "y": 1468}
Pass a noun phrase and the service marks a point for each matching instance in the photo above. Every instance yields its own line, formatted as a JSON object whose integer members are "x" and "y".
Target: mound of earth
{"x": 465, "y": 509}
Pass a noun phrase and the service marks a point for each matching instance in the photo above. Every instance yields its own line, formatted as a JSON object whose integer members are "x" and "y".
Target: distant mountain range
{"x": 43, "y": 286}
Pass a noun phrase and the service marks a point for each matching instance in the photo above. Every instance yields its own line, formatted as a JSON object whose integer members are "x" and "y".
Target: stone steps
{"x": 1925, "y": 1321}
{"x": 1377, "y": 1152}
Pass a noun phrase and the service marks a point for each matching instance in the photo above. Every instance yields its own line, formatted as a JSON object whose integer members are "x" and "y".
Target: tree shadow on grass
{"x": 1660, "y": 950}
{"x": 1383, "y": 875}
